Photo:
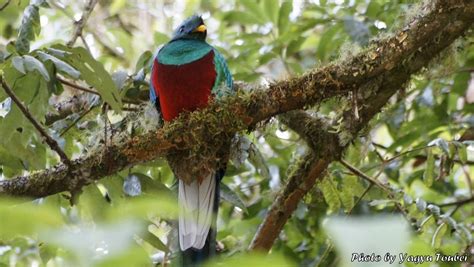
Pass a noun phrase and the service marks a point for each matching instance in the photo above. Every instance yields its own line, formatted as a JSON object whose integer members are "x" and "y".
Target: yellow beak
{"x": 201, "y": 28}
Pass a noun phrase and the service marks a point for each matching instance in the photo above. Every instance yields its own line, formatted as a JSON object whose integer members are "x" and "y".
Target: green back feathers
{"x": 223, "y": 84}
{"x": 181, "y": 52}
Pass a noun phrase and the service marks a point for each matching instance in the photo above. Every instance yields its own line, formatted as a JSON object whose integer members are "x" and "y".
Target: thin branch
{"x": 50, "y": 141}
{"x": 77, "y": 86}
{"x": 387, "y": 190}
{"x": 76, "y": 120}
{"x": 67, "y": 107}
{"x": 361, "y": 197}
{"x": 2, "y": 7}
{"x": 364, "y": 176}
{"x": 88, "y": 90}
{"x": 458, "y": 203}
{"x": 86, "y": 45}
{"x": 81, "y": 23}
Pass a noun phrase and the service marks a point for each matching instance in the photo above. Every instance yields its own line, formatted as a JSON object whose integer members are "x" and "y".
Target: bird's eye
{"x": 181, "y": 29}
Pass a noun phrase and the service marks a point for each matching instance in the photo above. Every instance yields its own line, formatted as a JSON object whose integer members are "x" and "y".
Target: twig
{"x": 76, "y": 120}
{"x": 50, "y": 141}
{"x": 468, "y": 179}
{"x": 77, "y": 86}
{"x": 88, "y": 90}
{"x": 85, "y": 44}
{"x": 416, "y": 156}
{"x": 5, "y": 5}
{"x": 79, "y": 25}
{"x": 362, "y": 175}
{"x": 361, "y": 197}
{"x": 458, "y": 203}
{"x": 389, "y": 192}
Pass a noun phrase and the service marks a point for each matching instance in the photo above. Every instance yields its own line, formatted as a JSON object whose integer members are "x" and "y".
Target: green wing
{"x": 223, "y": 85}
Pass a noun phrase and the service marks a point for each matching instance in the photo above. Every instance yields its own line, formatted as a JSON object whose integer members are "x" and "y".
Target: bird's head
{"x": 191, "y": 28}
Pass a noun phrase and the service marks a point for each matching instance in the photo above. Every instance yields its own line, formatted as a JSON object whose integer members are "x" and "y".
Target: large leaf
{"x": 17, "y": 133}
{"x": 60, "y": 65}
{"x": 92, "y": 72}
{"x": 30, "y": 26}
{"x": 284, "y": 16}
{"x": 228, "y": 195}
{"x": 330, "y": 194}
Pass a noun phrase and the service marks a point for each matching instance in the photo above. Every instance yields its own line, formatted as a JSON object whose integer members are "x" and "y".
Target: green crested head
{"x": 191, "y": 28}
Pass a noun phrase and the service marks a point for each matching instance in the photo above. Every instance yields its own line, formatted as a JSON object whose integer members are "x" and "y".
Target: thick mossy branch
{"x": 370, "y": 97}
{"x": 388, "y": 62}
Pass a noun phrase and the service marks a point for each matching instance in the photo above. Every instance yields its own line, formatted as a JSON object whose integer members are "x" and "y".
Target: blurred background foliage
{"x": 420, "y": 147}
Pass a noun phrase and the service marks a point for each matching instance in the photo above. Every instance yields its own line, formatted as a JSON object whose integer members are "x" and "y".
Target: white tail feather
{"x": 196, "y": 203}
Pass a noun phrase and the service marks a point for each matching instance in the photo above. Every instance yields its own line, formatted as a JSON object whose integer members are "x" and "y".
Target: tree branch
{"x": 79, "y": 25}
{"x": 50, "y": 141}
{"x": 387, "y": 65}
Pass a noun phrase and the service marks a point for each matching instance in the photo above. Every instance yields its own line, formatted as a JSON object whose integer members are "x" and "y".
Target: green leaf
{"x": 30, "y": 25}
{"x": 252, "y": 7}
{"x": 373, "y": 9}
{"x": 271, "y": 8}
{"x": 230, "y": 196}
{"x": 330, "y": 195}
{"x": 427, "y": 222}
{"x": 152, "y": 186}
{"x": 143, "y": 60}
{"x": 257, "y": 160}
{"x": 17, "y": 133}
{"x": 295, "y": 45}
{"x": 154, "y": 241}
{"x": 236, "y": 16}
{"x": 252, "y": 259}
{"x": 26, "y": 218}
{"x": 441, "y": 143}
{"x": 60, "y": 65}
{"x": 116, "y": 6}
{"x": 462, "y": 153}
{"x": 382, "y": 202}
{"x": 438, "y": 235}
{"x": 461, "y": 81}
{"x": 19, "y": 64}
{"x": 160, "y": 38}
{"x": 325, "y": 43}
{"x": 429, "y": 174}
{"x": 284, "y": 16}
{"x": 92, "y": 72}
{"x": 32, "y": 64}
{"x": 350, "y": 188}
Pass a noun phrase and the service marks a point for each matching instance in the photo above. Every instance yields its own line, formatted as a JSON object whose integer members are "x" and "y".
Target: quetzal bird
{"x": 186, "y": 74}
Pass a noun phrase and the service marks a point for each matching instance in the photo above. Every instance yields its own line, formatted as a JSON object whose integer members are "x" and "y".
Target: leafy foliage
{"x": 419, "y": 149}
